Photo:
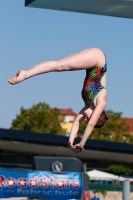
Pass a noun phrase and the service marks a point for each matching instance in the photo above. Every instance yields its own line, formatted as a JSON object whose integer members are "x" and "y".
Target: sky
{"x": 29, "y": 36}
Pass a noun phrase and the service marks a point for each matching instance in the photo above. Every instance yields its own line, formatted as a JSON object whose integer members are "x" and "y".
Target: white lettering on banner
{"x": 55, "y": 192}
{"x": 25, "y": 192}
{"x": 31, "y": 191}
{"x": 10, "y": 191}
{"x": 50, "y": 192}
{"x": 75, "y": 193}
{"x": 43, "y": 192}
{"x": 22, "y": 191}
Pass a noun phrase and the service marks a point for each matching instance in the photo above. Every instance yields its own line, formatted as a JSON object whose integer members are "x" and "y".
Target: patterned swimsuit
{"x": 92, "y": 84}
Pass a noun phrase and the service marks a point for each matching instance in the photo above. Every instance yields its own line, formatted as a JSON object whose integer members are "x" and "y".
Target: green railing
{"x": 106, "y": 187}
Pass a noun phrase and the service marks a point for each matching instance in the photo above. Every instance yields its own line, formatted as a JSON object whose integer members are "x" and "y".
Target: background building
{"x": 69, "y": 117}
{"x": 17, "y": 149}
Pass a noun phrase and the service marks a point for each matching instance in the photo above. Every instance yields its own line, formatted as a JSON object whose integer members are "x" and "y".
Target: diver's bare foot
{"x": 20, "y": 76}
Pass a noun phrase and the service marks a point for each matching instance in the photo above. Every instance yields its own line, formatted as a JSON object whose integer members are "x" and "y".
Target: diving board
{"x": 116, "y": 8}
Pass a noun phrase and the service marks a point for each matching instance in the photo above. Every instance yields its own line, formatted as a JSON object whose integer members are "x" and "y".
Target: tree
{"x": 116, "y": 129}
{"x": 39, "y": 118}
{"x": 119, "y": 170}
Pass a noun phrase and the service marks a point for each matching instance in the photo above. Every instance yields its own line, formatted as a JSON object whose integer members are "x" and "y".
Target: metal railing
{"x": 107, "y": 187}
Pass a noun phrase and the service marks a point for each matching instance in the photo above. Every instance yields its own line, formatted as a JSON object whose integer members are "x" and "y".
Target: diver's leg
{"x": 83, "y": 60}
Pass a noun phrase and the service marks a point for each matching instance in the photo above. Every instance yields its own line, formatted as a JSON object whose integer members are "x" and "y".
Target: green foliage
{"x": 87, "y": 177}
{"x": 119, "y": 170}
{"x": 103, "y": 192}
{"x": 39, "y": 118}
{"x": 116, "y": 129}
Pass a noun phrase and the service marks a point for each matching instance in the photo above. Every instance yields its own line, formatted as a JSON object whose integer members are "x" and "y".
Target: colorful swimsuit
{"x": 92, "y": 84}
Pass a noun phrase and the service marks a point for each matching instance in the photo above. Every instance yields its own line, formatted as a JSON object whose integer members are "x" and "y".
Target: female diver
{"x": 94, "y": 91}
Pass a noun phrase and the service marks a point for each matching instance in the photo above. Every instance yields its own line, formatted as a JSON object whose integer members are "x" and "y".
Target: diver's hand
{"x": 88, "y": 113}
{"x": 73, "y": 148}
{"x": 80, "y": 147}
